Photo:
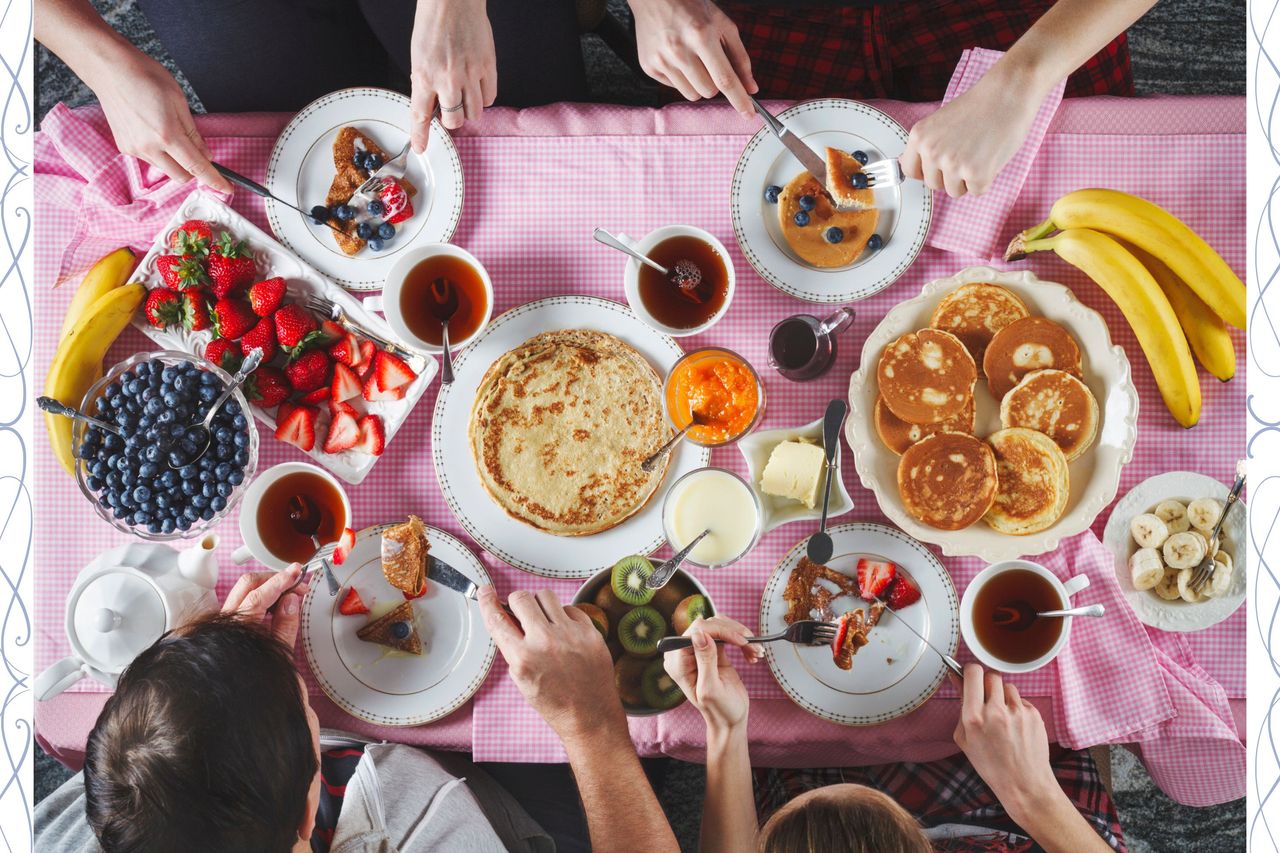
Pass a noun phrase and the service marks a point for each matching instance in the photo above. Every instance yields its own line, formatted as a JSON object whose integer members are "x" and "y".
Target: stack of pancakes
{"x": 1017, "y": 478}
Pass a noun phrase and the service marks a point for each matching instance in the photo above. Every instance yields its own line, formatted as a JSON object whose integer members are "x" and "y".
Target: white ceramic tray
{"x": 777, "y": 511}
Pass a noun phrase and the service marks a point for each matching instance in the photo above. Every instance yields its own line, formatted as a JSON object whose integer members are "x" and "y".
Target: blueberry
{"x": 111, "y": 390}
{"x": 167, "y": 525}
{"x": 375, "y": 244}
{"x": 161, "y": 500}
{"x": 95, "y": 484}
{"x": 373, "y": 161}
{"x": 168, "y": 373}
{"x": 121, "y": 462}
{"x": 239, "y": 422}
{"x": 169, "y": 478}
{"x": 207, "y": 514}
{"x": 224, "y": 452}
{"x": 188, "y": 447}
{"x": 222, "y": 471}
{"x": 218, "y": 504}
{"x": 859, "y": 180}
{"x": 155, "y": 527}
{"x": 178, "y": 459}
{"x": 807, "y": 202}
{"x": 833, "y": 234}
{"x": 148, "y": 469}
{"x": 357, "y": 159}
{"x": 319, "y": 214}
{"x": 141, "y": 516}
{"x": 235, "y": 478}
{"x": 386, "y": 231}
{"x": 875, "y": 242}
{"x": 190, "y": 487}
{"x": 183, "y": 523}
{"x": 224, "y": 489}
{"x": 240, "y": 439}
{"x": 102, "y": 405}
{"x": 860, "y": 156}
{"x": 208, "y": 378}
{"x": 241, "y": 458}
{"x": 85, "y": 450}
{"x": 199, "y": 501}
{"x": 141, "y": 494}
{"x": 771, "y": 193}
{"x": 376, "y": 207}
{"x": 119, "y": 512}
{"x": 170, "y": 399}
{"x": 231, "y": 407}
{"x": 208, "y": 490}
{"x": 98, "y": 468}
{"x": 801, "y": 218}
{"x": 344, "y": 212}
{"x": 188, "y": 472}
{"x": 208, "y": 393}
{"x": 400, "y": 630}
{"x": 365, "y": 231}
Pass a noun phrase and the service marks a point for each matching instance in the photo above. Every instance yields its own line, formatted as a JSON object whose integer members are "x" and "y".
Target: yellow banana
{"x": 1206, "y": 333}
{"x": 1143, "y": 304}
{"x": 108, "y": 273}
{"x": 77, "y": 363}
{"x": 1149, "y": 227}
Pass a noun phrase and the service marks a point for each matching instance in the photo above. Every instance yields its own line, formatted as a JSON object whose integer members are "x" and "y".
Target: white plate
{"x": 301, "y": 280}
{"x": 1095, "y": 476}
{"x": 756, "y": 448}
{"x": 386, "y": 688}
{"x": 301, "y": 170}
{"x": 1153, "y": 610}
{"x": 905, "y": 211}
{"x": 517, "y": 543}
{"x": 894, "y": 673}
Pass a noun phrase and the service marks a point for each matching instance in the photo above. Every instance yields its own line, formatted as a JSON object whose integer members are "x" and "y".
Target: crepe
{"x": 559, "y": 427}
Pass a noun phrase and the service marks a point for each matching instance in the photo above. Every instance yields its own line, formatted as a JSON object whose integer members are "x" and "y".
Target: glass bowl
{"x": 89, "y": 406}
{"x": 668, "y": 509}
{"x": 692, "y": 358}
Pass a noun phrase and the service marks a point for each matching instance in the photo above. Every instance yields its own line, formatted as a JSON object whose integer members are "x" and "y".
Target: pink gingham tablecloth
{"x": 537, "y": 182}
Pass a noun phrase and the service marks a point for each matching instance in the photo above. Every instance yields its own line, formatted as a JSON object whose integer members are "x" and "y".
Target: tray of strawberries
{"x": 219, "y": 286}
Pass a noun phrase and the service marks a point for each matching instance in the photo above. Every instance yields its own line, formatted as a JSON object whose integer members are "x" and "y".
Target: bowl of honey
{"x": 269, "y": 519}
{"x": 714, "y": 392}
{"x": 433, "y": 285}
{"x": 697, "y": 288}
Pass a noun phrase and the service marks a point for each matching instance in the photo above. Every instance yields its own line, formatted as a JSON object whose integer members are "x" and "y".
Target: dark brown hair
{"x": 204, "y": 746}
{"x": 861, "y": 820}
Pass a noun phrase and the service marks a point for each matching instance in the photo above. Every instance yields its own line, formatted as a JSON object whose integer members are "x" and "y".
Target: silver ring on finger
{"x": 451, "y": 109}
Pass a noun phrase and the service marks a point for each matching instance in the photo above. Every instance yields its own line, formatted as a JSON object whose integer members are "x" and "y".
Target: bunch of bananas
{"x": 1172, "y": 287}
{"x": 98, "y": 313}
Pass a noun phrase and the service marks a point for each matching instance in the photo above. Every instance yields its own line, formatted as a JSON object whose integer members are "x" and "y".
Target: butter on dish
{"x": 794, "y": 471}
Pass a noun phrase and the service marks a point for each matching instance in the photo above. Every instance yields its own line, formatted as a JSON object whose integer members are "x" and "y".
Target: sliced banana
{"x": 1174, "y": 515}
{"x": 1183, "y": 550}
{"x": 1146, "y": 568}
{"x": 1204, "y": 539}
{"x": 1149, "y": 530}
{"x": 1167, "y": 588}
{"x": 1224, "y": 558}
{"x": 1220, "y": 584}
{"x": 1203, "y": 513}
{"x": 1185, "y": 592}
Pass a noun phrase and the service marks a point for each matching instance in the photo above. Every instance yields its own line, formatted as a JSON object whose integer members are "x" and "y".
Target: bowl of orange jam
{"x": 718, "y": 388}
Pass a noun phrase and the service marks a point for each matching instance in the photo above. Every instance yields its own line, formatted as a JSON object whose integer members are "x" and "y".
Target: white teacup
{"x": 1064, "y": 591}
{"x": 631, "y": 276}
{"x": 388, "y": 302}
{"x": 254, "y": 548}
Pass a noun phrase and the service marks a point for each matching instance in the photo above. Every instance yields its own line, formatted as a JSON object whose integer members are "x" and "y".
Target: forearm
{"x": 1053, "y": 821}
{"x": 620, "y": 804}
{"x": 728, "y": 806}
{"x": 75, "y": 31}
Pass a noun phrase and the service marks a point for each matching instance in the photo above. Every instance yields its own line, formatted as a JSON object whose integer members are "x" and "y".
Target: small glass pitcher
{"x": 803, "y": 347}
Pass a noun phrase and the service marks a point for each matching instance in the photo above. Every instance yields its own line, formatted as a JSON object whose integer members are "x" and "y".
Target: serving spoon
{"x": 651, "y": 463}
{"x": 250, "y": 364}
{"x": 56, "y": 407}
{"x": 664, "y": 572}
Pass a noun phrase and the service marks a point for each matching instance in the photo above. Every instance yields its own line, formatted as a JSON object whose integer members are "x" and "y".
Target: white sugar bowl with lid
{"x": 124, "y": 601}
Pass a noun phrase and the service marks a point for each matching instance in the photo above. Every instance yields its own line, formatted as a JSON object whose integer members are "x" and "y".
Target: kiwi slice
{"x": 640, "y": 630}
{"x": 597, "y": 616}
{"x": 629, "y": 575}
{"x": 658, "y": 688}
{"x": 614, "y": 607}
{"x": 627, "y": 674}
{"x": 688, "y": 610}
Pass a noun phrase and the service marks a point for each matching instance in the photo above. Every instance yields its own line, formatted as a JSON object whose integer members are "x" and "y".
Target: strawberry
{"x": 372, "y": 438}
{"x": 232, "y": 318}
{"x": 192, "y": 237}
{"x": 367, "y": 350}
{"x": 267, "y": 386}
{"x": 298, "y": 427}
{"x": 345, "y": 383}
{"x": 310, "y": 371}
{"x": 181, "y": 272}
{"x": 295, "y": 328}
{"x": 265, "y": 296}
{"x": 263, "y": 337}
{"x": 373, "y": 395}
{"x": 346, "y": 350}
{"x": 231, "y": 266}
{"x": 223, "y": 353}
{"x": 338, "y": 407}
{"x": 351, "y": 604}
{"x": 874, "y": 576}
{"x": 842, "y": 631}
{"x": 195, "y": 311}
{"x": 343, "y": 434}
{"x": 390, "y": 372}
{"x": 320, "y": 395}
{"x": 346, "y": 542}
{"x": 332, "y": 331}
{"x": 903, "y": 593}
{"x": 163, "y": 308}
{"x": 396, "y": 201}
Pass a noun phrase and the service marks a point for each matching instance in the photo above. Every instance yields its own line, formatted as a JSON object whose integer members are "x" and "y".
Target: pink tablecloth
{"x": 537, "y": 181}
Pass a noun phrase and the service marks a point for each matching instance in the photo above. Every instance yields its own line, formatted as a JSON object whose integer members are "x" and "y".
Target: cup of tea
{"x": 429, "y": 284}
{"x": 997, "y": 592}
{"x": 698, "y": 286}
{"x": 802, "y": 347}
{"x": 269, "y": 535}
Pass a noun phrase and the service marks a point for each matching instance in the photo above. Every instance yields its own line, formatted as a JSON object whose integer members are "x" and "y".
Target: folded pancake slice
{"x": 404, "y": 556}
{"x": 841, "y": 167}
{"x": 394, "y": 629}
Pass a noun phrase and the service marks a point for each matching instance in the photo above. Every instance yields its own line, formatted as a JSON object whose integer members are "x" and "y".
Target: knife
{"x": 950, "y": 662}
{"x": 808, "y": 158}
{"x": 447, "y": 576}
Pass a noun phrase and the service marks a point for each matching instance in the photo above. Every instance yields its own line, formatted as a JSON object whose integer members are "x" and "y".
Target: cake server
{"x": 808, "y": 158}
{"x": 447, "y": 576}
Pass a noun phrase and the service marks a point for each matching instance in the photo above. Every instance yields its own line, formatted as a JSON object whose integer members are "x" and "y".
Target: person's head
{"x": 207, "y": 744}
{"x": 850, "y": 818}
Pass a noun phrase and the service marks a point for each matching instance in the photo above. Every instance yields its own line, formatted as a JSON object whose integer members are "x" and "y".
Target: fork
{"x": 370, "y": 189}
{"x": 332, "y": 310}
{"x": 1204, "y": 571}
{"x": 884, "y": 173}
{"x": 806, "y": 633}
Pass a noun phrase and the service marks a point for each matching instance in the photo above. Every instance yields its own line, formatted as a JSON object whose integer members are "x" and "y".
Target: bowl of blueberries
{"x": 160, "y": 475}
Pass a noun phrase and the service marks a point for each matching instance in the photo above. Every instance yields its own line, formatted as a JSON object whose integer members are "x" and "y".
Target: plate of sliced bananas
{"x": 1159, "y": 532}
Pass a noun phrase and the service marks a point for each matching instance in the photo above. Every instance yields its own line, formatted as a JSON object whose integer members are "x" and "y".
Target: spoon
{"x": 603, "y": 236}
{"x": 446, "y": 305}
{"x": 663, "y": 573}
{"x": 304, "y": 517}
{"x": 55, "y": 407}
{"x": 1018, "y": 615}
{"x": 250, "y": 364}
{"x": 820, "y": 547}
{"x": 685, "y": 274}
{"x": 651, "y": 463}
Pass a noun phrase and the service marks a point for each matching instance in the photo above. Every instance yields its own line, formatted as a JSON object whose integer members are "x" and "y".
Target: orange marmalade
{"x": 721, "y": 389}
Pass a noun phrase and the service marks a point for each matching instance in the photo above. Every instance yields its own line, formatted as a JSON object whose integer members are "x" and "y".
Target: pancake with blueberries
{"x": 818, "y": 233}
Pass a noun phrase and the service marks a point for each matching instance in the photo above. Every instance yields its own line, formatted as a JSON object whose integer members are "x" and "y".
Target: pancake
{"x": 559, "y": 427}
{"x": 1057, "y": 404}
{"x": 1034, "y": 481}
{"x": 347, "y": 179}
{"x": 808, "y": 241}
{"x": 898, "y": 435}
{"x": 1032, "y": 343}
{"x": 841, "y": 167}
{"x": 975, "y": 312}
{"x": 926, "y": 377}
{"x": 947, "y": 480}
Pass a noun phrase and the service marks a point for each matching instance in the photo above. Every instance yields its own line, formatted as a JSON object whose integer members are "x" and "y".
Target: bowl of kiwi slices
{"x": 632, "y": 619}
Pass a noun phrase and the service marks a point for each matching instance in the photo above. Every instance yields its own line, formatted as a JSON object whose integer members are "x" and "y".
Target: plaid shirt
{"x": 949, "y": 795}
{"x": 905, "y": 50}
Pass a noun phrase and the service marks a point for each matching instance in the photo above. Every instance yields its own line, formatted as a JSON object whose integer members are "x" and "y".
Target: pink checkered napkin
{"x": 974, "y": 225}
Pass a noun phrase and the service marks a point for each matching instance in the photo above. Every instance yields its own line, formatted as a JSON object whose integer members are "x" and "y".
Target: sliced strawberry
{"x": 842, "y": 631}
{"x": 346, "y": 350}
{"x": 346, "y": 542}
{"x": 337, "y": 407}
{"x": 874, "y": 576}
{"x": 374, "y": 395}
{"x": 372, "y": 438}
{"x": 286, "y": 409}
{"x": 396, "y": 201}
{"x": 367, "y": 350}
{"x": 343, "y": 434}
{"x": 391, "y": 372}
{"x": 332, "y": 331}
{"x": 351, "y": 604}
{"x": 345, "y": 382}
{"x": 903, "y": 594}
{"x": 320, "y": 395}
{"x": 263, "y": 337}
{"x": 298, "y": 427}
{"x": 265, "y": 296}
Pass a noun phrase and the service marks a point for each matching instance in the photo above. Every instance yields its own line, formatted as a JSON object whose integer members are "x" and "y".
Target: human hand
{"x": 706, "y": 677}
{"x": 693, "y": 47}
{"x": 558, "y": 660}
{"x": 258, "y": 595}
{"x": 453, "y": 65}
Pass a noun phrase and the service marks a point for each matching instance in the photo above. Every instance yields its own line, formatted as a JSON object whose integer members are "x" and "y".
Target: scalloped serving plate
{"x": 301, "y": 280}
{"x": 1095, "y": 476}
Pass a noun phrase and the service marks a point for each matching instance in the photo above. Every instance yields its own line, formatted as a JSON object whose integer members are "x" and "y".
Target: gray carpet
{"x": 1179, "y": 47}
